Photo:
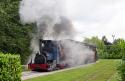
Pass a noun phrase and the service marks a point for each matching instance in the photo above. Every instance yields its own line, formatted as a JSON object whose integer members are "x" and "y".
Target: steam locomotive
{"x": 51, "y": 56}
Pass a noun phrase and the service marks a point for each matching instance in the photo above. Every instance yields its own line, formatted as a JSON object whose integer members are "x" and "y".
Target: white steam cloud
{"x": 34, "y": 10}
{"x": 53, "y": 24}
{"x": 77, "y": 53}
{"x": 47, "y": 14}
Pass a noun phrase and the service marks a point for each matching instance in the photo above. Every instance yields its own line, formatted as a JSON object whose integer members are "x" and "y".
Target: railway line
{"x": 32, "y": 74}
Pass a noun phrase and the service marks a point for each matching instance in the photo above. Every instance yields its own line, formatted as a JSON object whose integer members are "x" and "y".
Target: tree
{"x": 14, "y": 37}
{"x": 105, "y": 40}
{"x": 98, "y": 43}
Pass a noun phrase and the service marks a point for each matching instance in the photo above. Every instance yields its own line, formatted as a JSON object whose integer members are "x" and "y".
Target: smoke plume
{"x": 77, "y": 53}
{"x": 49, "y": 16}
{"x": 53, "y": 24}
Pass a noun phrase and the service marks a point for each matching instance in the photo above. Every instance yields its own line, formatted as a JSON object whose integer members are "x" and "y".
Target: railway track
{"x": 33, "y": 74}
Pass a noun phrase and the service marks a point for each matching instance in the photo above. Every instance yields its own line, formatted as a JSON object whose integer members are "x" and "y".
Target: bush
{"x": 121, "y": 70}
{"x": 10, "y": 67}
{"x": 113, "y": 50}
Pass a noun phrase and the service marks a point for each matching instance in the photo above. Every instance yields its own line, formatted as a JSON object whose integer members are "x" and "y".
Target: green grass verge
{"x": 104, "y": 70}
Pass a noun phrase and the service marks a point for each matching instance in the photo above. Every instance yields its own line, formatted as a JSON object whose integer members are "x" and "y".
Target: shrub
{"x": 113, "y": 50}
{"x": 10, "y": 67}
{"x": 121, "y": 70}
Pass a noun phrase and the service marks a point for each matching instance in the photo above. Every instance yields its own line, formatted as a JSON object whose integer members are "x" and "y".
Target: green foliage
{"x": 121, "y": 70}
{"x": 117, "y": 49}
{"x": 10, "y": 67}
{"x": 121, "y": 44}
{"x": 113, "y": 51}
{"x": 96, "y": 41}
{"x": 99, "y": 44}
{"x": 14, "y": 37}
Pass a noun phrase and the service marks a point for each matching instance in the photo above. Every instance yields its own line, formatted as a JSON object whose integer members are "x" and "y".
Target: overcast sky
{"x": 97, "y": 17}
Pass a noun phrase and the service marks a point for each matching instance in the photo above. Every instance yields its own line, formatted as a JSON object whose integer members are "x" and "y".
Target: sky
{"x": 97, "y": 18}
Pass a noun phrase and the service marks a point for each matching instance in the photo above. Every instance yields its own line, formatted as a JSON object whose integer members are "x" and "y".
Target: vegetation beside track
{"x": 104, "y": 70}
{"x": 10, "y": 67}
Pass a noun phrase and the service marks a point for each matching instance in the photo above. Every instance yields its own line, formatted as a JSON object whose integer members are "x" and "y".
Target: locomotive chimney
{"x": 40, "y": 46}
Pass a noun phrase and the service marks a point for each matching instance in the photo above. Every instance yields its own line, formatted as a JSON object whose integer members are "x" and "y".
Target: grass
{"x": 104, "y": 70}
{"x": 115, "y": 77}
